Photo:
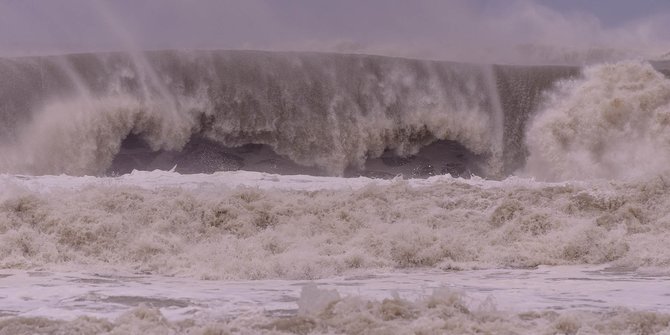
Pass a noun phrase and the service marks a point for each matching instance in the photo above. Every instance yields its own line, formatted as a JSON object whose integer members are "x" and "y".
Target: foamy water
{"x": 155, "y": 252}
{"x": 613, "y": 123}
{"x": 243, "y": 225}
{"x": 498, "y": 293}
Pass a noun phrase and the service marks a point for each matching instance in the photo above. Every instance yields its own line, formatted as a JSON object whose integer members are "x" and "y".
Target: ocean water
{"x": 215, "y": 192}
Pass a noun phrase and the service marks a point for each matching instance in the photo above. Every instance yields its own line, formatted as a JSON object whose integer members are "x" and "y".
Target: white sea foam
{"x": 390, "y": 303}
{"x": 81, "y": 136}
{"x": 614, "y": 122}
{"x": 203, "y": 226}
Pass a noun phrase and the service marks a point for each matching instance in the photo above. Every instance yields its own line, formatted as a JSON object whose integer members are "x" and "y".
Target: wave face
{"x": 209, "y": 226}
{"x": 207, "y": 111}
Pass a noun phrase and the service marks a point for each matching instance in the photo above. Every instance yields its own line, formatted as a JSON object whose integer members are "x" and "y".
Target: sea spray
{"x": 613, "y": 122}
{"x": 327, "y": 111}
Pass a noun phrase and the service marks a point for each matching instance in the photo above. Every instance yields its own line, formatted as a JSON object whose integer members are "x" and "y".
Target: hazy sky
{"x": 446, "y": 29}
{"x": 611, "y": 12}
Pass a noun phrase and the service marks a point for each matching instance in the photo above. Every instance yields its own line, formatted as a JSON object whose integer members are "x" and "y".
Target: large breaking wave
{"x": 205, "y": 111}
{"x": 328, "y": 114}
{"x": 613, "y": 122}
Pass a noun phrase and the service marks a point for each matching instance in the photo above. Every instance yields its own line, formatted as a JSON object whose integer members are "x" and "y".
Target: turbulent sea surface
{"x": 215, "y": 192}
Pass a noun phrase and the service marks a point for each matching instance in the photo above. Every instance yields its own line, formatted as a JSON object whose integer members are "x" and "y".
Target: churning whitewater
{"x": 405, "y": 189}
{"x": 613, "y": 123}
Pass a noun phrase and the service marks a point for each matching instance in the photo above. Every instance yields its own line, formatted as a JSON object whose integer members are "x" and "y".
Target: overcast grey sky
{"x": 446, "y": 29}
